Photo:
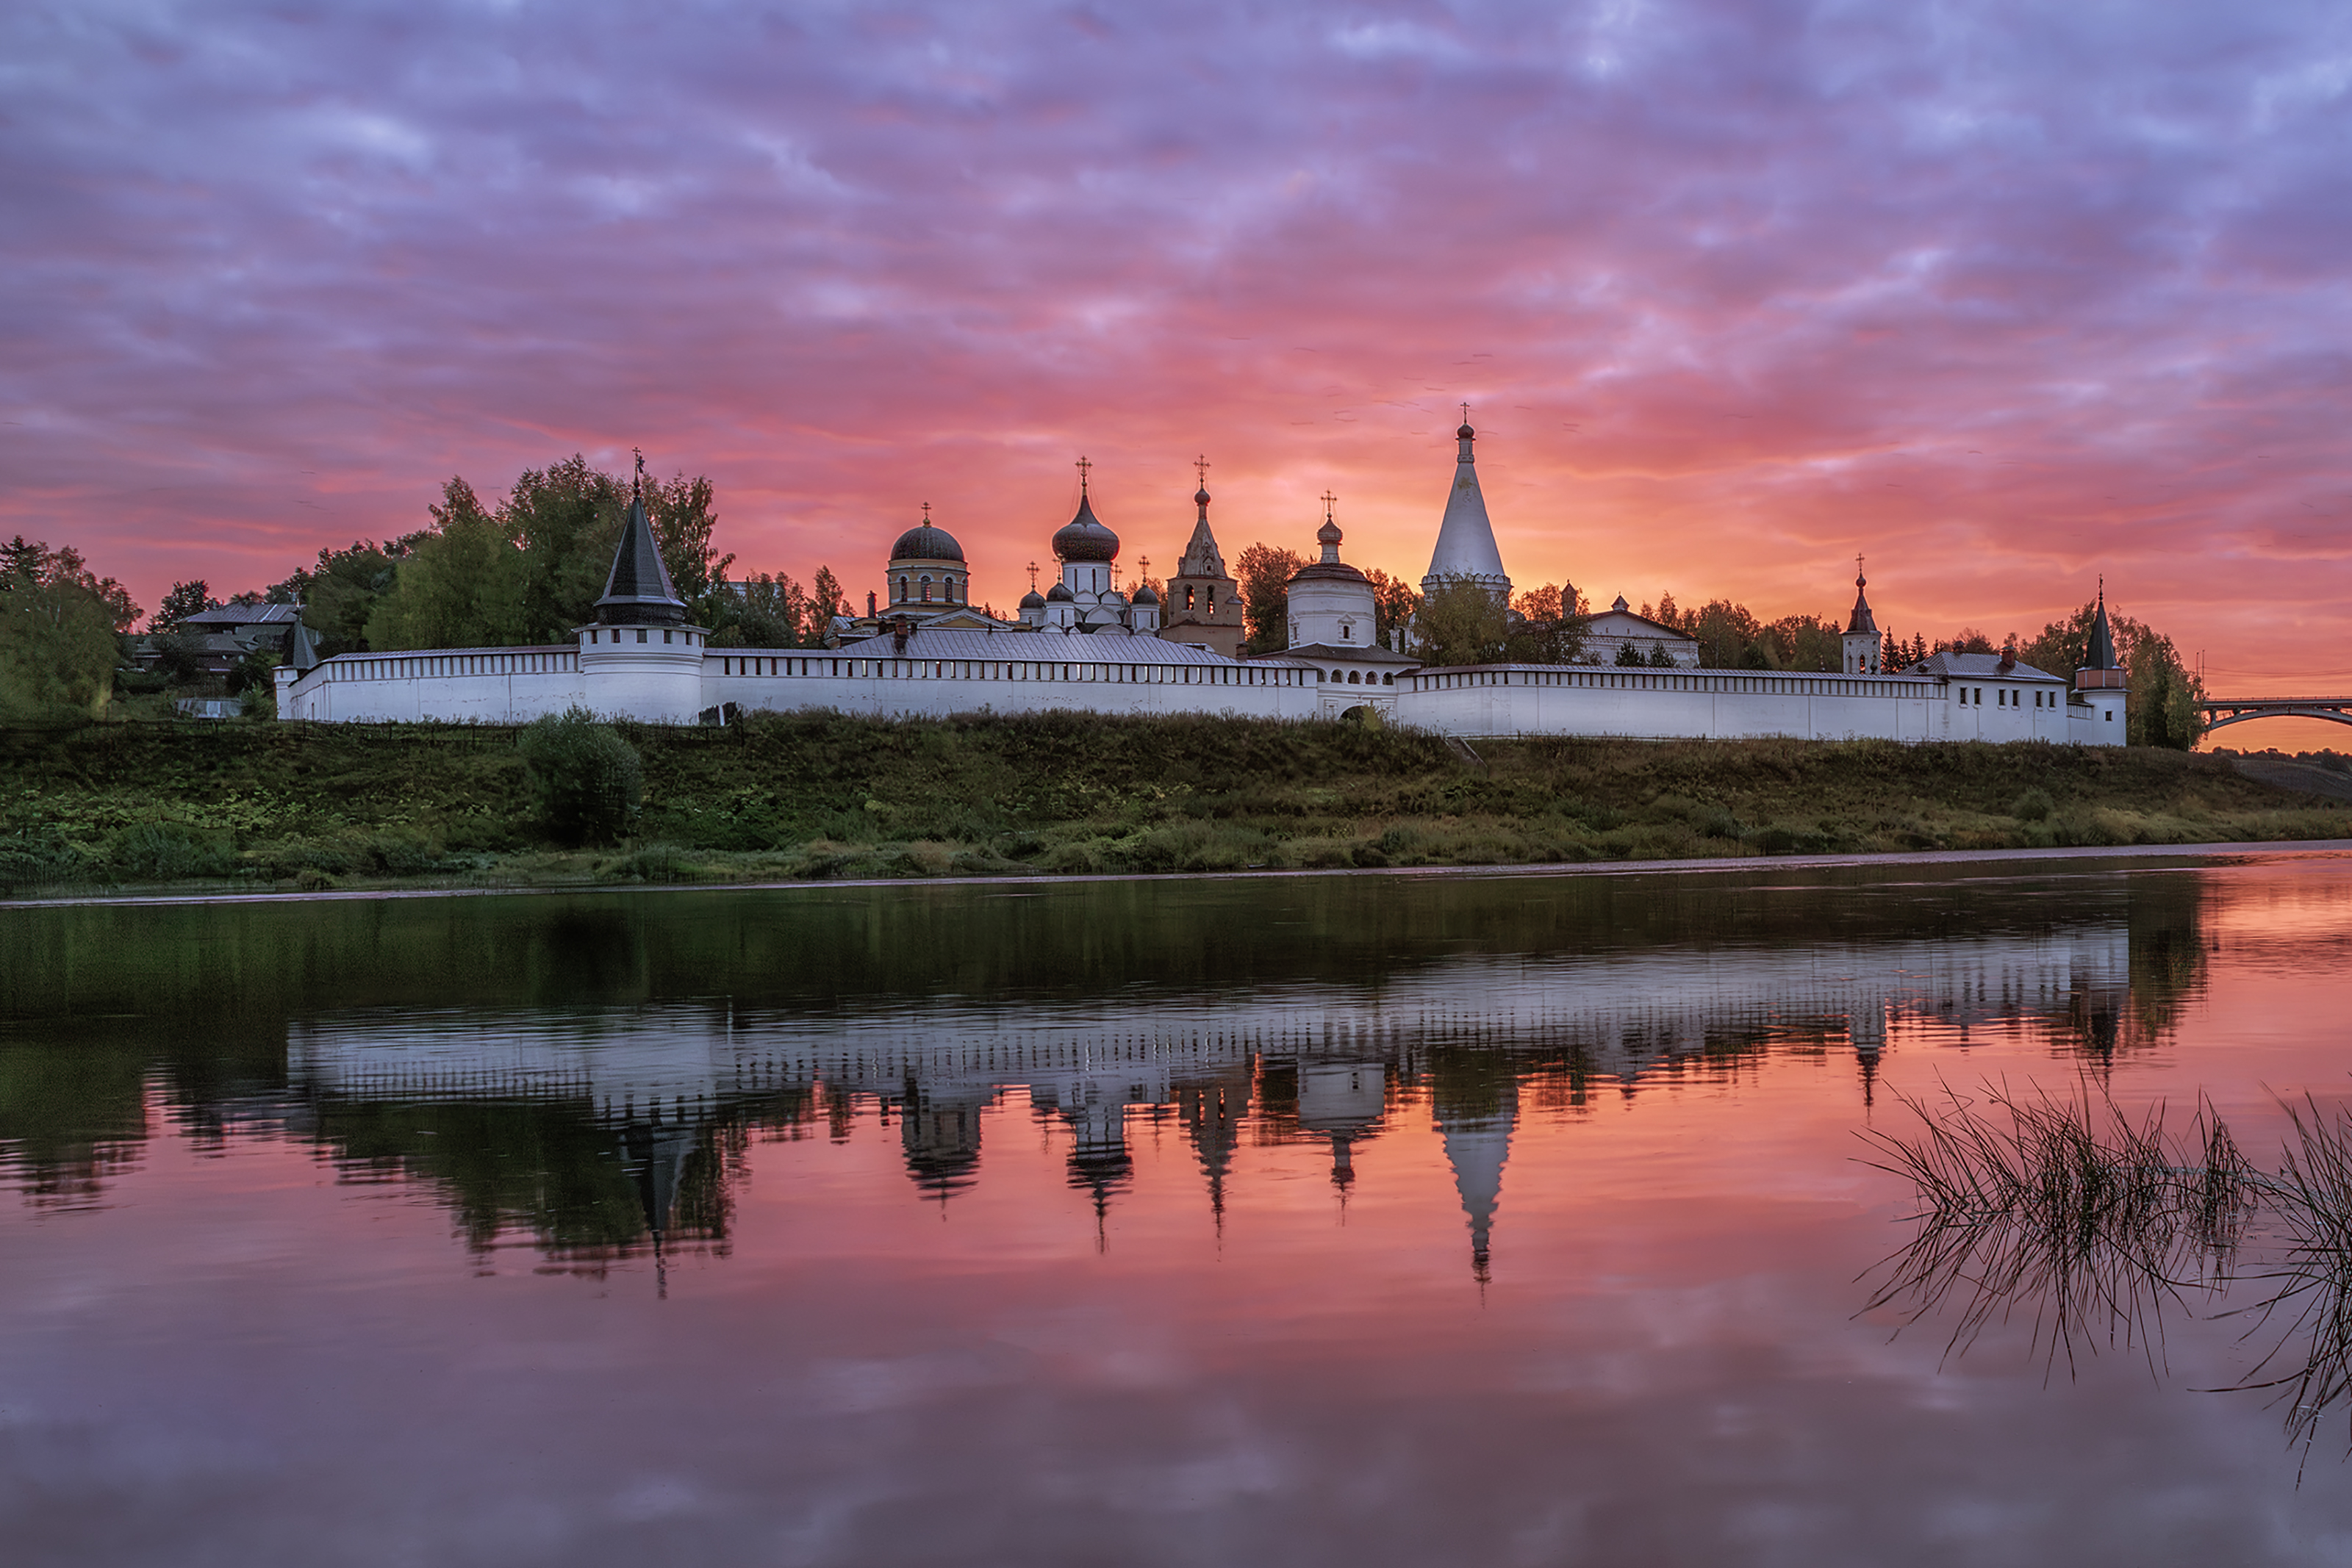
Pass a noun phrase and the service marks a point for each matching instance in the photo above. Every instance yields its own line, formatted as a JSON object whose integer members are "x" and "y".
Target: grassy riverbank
{"x": 819, "y": 796}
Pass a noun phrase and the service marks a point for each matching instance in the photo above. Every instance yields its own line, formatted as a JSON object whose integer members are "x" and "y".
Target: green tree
{"x": 1660, "y": 659}
{"x": 1807, "y": 642}
{"x": 185, "y": 598}
{"x": 466, "y": 586}
{"x": 1463, "y": 624}
{"x": 1628, "y": 657}
{"x": 770, "y": 612}
{"x": 683, "y": 516}
{"x": 1547, "y": 626}
{"x": 59, "y": 626}
{"x": 1394, "y": 605}
{"x": 826, "y": 601}
{"x": 566, "y": 519}
{"x": 1727, "y": 634}
{"x": 342, "y": 591}
{"x": 1265, "y": 573}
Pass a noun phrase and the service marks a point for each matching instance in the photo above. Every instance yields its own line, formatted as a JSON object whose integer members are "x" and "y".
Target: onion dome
{"x": 1060, "y": 594}
{"x": 1330, "y": 568}
{"x": 1201, "y": 497}
{"x": 1032, "y": 600}
{"x": 1465, "y": 432}
{"x": 1084, "y": 537}
{"x": 1861, "y": 620}
{"x": 1144, "y": 595}
{"x": 927, "y": 541}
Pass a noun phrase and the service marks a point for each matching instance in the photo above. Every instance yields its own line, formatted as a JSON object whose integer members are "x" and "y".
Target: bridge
{"x": 2220, "y": 711}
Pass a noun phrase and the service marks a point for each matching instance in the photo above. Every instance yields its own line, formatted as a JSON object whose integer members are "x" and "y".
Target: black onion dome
{"x": 1060, "y": 593}
{"x": 1144, "y": 595}
{"x": 1032, "y": 600}
{"x": 1465, "y": 432}
{"x": 927, "y": 542}
{"x": 1084, "y": 537}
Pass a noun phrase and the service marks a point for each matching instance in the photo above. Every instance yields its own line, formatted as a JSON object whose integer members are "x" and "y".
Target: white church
{"x": 1087, "y": 645}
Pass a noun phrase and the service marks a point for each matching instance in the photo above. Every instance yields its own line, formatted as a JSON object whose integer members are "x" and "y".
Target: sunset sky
{"x": 2005, "y": 295}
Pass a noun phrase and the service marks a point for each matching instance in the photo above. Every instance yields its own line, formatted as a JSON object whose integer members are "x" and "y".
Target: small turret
{"x": 640, "y": 659}
{"x": 2100, "y": 670}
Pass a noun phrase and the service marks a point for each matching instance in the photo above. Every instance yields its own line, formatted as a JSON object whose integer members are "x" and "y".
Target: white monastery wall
{"x": 483, "y": 685}
{"x": 895, "y": 687}
{"x": 516, "y": 686}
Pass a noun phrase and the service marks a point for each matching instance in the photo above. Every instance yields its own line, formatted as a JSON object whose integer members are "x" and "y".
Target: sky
{"x": 2006, "y": 297}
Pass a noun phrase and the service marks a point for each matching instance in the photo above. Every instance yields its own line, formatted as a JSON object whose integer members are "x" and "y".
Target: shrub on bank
{"x": 589, "y": 783}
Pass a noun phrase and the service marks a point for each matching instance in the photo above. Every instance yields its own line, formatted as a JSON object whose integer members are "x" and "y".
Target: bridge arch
{"x": 2221, "y": 715}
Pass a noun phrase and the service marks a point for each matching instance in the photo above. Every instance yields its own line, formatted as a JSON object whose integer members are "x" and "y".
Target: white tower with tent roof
{"x": 1465, "y": 540}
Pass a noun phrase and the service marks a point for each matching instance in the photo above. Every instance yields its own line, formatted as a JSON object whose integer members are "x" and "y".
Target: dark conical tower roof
{"x": 2102, "y": 656}
{"x": 638, "y": 592}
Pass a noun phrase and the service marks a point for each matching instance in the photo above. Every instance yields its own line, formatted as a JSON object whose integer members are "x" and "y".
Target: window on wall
{"x": 927, "y": 590}
{"x": 1188, "y": 599}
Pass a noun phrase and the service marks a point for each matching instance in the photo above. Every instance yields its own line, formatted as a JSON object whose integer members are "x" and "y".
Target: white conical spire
{"x": 1465, "y": 540}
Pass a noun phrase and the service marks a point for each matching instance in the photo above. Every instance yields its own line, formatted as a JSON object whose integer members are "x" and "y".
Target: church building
{"x": 1087, "y": 597}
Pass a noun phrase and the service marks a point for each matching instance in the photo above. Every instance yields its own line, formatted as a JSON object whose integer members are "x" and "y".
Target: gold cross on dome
{"x": 1033, "y": 577}
{"x": 1084, "y": 468}
{"x": 1200, "y": 466}
{"x": 1330, "y": 500}
{"x": 1466, "y": 414}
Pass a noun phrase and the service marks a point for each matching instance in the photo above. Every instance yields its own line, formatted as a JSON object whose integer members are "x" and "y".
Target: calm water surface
{"x": 1350, "y": 1220}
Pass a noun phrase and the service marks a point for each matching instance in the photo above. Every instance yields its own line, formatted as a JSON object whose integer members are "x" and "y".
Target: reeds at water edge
{"x": 2100, "y": 1223}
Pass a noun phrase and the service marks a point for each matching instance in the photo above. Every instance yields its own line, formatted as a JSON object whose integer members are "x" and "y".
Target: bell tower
{"x": 1863, "y": 650}
{"x": 1204, "y": 603}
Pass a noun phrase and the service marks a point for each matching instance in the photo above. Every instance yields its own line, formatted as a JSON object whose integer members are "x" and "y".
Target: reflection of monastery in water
{"x": 664, "y": 1096}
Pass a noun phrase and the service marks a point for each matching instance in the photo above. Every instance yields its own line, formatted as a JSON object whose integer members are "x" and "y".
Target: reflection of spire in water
{"x": 1475, "y": 1097}
{"x": 1211, "y": 1114}
{"x": 658, "y": 1153}
{"x": 1099, "y": 1161}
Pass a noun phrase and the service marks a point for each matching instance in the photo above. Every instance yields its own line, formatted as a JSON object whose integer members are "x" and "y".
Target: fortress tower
{"x": 640, "y": 659}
